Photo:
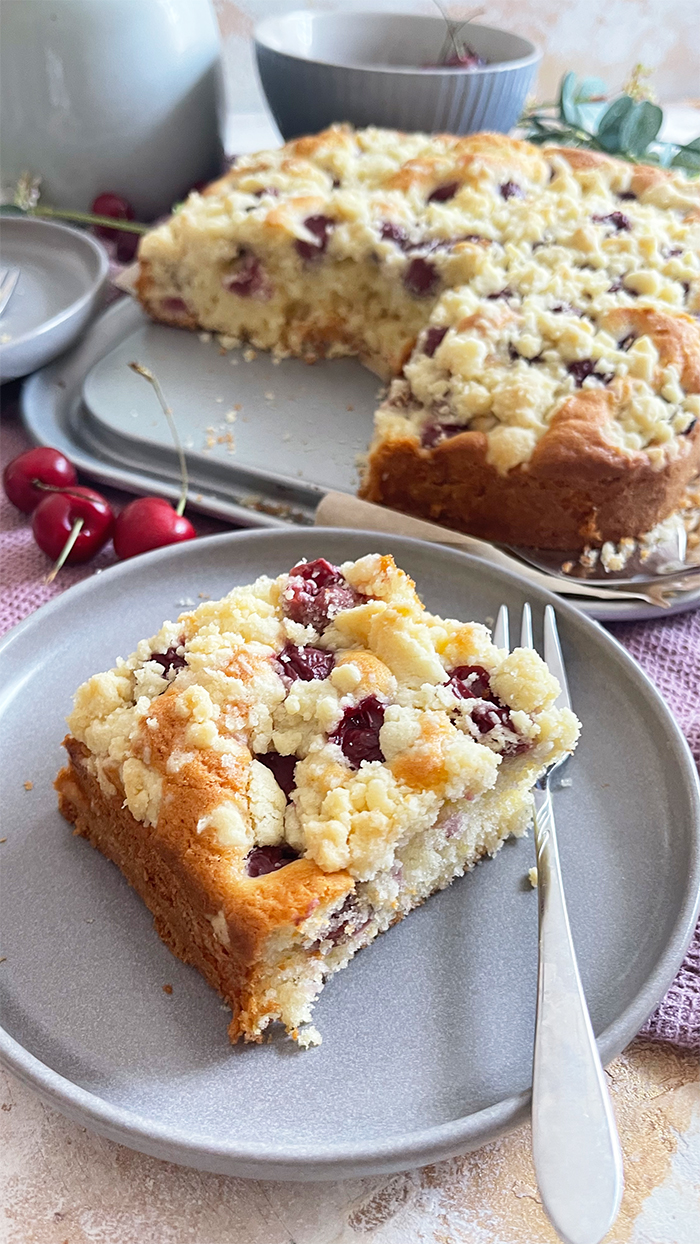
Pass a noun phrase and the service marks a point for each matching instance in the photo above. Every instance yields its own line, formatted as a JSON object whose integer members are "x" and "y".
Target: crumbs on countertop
{"x": 532, "y": 877}
{"x": 28, "y": 785}
{"x": 167, "y": 989}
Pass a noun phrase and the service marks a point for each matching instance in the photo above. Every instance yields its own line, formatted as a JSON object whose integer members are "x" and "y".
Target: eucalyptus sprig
{"x": 25, "y": 200}
{"x": 79, "y": 218}
{"x": 627, "y": 128}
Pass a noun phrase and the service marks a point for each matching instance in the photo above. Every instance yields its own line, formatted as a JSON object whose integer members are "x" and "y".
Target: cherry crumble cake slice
{"x": 286, "y": 772}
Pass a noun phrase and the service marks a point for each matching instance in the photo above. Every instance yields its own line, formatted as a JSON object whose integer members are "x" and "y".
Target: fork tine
{"x": 526, "y": 627}
{"x": 553, "y": 656}
{"x": 501, "y": 631}
{"x": 8, "y": 281}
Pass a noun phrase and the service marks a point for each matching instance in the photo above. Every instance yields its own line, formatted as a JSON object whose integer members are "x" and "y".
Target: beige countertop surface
{"x": 62, "y": 1184}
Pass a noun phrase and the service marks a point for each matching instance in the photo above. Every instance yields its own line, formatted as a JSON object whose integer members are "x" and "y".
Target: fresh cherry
{"x": 57, "y": 515}
{"x": 23, "y": 476}
{"x": 120, "y": 209}
{"x": 464, "y": 59}
{"x": 111, "y": 205}
{"x": 149, "y": 523}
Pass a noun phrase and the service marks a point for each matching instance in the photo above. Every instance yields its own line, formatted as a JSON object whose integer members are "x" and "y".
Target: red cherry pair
{"x": 71, "y": 523}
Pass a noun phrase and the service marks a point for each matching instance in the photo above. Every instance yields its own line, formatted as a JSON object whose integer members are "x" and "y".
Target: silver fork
{"x": 575, "y": 1145}
{"x": 8, "y": 281}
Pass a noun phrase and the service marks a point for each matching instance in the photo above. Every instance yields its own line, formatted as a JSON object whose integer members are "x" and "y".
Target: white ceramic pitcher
{"x": 110, "y": 95}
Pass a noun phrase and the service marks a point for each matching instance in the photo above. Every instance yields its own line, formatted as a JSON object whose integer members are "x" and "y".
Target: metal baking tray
{"x": 264, "y": 439}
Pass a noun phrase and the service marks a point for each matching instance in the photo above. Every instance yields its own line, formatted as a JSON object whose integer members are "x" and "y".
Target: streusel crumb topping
{"x": 526, "y": 274}
{"x": 323, "y": 713}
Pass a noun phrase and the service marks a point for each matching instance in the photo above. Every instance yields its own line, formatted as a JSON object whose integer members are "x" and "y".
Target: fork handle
{"x": 575, "y": 1144}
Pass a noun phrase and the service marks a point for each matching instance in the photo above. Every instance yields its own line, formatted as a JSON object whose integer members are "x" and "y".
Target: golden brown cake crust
{"x": 185, "y": 885}
{"x": 576, "y": 489}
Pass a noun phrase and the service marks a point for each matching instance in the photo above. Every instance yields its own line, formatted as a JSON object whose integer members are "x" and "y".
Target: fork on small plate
{"x": 575, "y": 1145}
{"x": 8, "y": 283}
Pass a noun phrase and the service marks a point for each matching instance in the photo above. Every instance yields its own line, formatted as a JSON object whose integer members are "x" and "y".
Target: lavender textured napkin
{"x": 668, "y": 650}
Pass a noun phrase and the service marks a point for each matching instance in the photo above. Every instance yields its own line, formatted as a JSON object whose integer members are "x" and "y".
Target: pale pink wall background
{"x": 603, "y": 37}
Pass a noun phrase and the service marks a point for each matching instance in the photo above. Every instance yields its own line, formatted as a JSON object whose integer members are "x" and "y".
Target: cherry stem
{"x": 75, "y": 532}
{"x": 67, "y": 492}
{"x": 87, "y": 218}
{"x": 453, "y": 29}
{"x": 148, "y": 375}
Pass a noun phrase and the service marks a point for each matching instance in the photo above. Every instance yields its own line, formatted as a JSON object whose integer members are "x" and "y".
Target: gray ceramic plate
{"x": 428, "y": 1034}
{"x": 62, "y": 272}
{"x": 268, "y": 468}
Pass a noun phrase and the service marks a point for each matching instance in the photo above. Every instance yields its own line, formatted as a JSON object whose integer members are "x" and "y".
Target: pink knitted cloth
{"x": 669, "y": 651}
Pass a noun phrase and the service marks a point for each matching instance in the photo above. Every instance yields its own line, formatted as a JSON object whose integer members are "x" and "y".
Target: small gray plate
{"x": 428, "y": 1034}
{"x": 62, "y": 272}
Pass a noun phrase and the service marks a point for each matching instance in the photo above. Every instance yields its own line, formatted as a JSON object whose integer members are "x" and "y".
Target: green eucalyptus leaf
{"x": 687, "y": 158}
{"x": 567, "y": 98}
{"x": 692, "y": 146}
{"x": 590, "y": 88}
{"x": 610, "y": 123}
{"x": 640, "y": 127}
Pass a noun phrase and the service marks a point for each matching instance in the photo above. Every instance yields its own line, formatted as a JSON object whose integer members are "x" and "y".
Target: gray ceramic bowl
{"x": 365, "y": 68}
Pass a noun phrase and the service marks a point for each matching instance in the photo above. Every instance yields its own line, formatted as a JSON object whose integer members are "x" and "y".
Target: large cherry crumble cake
{"x": 537, "y": 309}
{"x": 284, "y": 773}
